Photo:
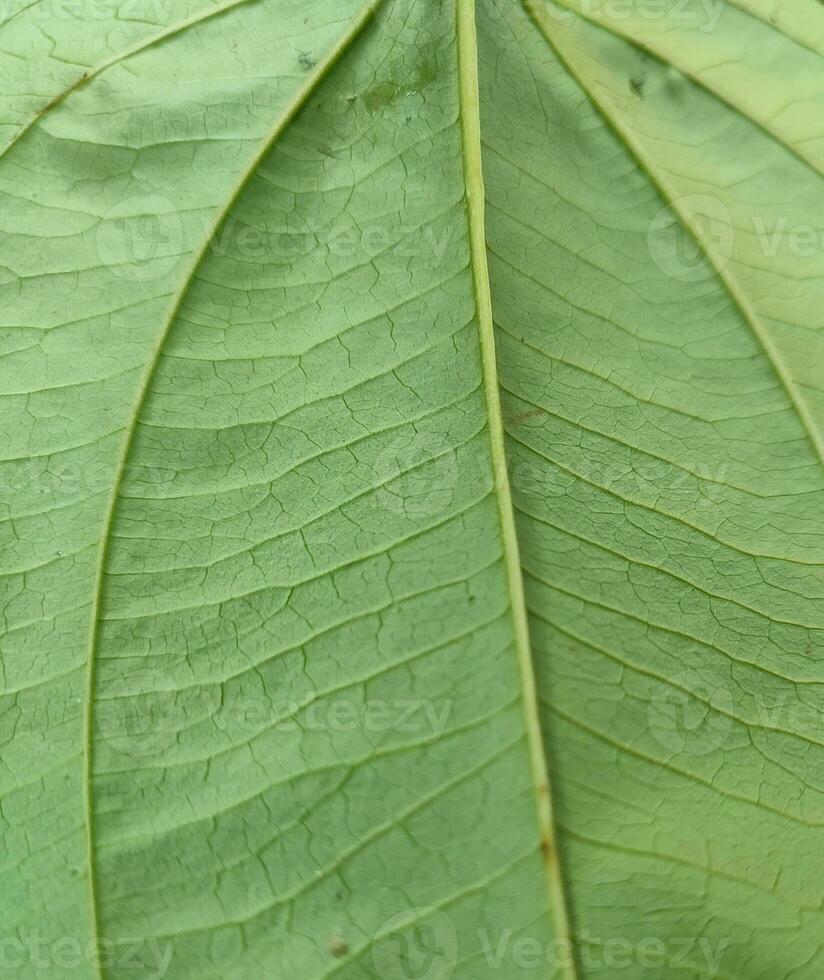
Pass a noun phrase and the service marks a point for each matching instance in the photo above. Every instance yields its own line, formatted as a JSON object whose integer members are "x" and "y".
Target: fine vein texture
{"x": 297, "y": 103}
{"x": 659, "y": 339}
{"x": 286, "y": 515}
{"x": 411, "y": 484}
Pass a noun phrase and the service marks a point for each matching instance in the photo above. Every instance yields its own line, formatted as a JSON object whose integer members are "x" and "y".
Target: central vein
{"x": 469, "y": 100}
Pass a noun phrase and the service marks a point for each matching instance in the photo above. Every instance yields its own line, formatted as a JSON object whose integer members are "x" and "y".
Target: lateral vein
{"x": 96, "y": 70}
{"x": 301, "y": 98}
{"x": 728, "y": 281}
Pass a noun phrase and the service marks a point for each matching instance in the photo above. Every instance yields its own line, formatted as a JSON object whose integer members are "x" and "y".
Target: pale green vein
{"x": 803, "y": 38}
{"x": 469, "y": 101}
{"x": 362, "y": 844}
{"x": 680, "y": 65}
{"x": 299, "y": 100}
{"x": 360, "y": 762}
{"x": 91, "y": 73}
{"x": 541, "y": 20}
{"x": 710, "y": 784}
{"x": 421, "y": 915}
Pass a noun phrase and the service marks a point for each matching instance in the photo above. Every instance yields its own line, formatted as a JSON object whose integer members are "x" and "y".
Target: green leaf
{"x": 411, "y": 479}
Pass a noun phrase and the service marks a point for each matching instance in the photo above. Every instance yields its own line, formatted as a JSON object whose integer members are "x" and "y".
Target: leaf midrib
{"x": 469, "y": 108}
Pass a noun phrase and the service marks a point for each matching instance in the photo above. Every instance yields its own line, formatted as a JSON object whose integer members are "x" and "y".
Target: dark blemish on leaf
{"x": 306, "y": 61}
{"x": 637, "y": 86}
{"x": 526, "y": 416}
{"x": 380, "y": 96}
{"x": 338, "y": 947}
{"x": 547, "y": 851}
{"x": 426, "y": 74}
{"x": 675, "y": 85}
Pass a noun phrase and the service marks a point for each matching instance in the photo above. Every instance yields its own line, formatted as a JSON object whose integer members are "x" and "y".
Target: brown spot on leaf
{"x": 525, "y": 416}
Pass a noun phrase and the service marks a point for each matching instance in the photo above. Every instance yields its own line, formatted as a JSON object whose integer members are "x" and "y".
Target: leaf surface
{"x": 659, "y": 337}
{"x": 412, "y": 474}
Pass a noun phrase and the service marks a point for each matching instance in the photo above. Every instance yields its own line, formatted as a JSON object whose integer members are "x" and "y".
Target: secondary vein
{"x": 93, "y": 72}
{"x": 681, "y": 65}
{"x": 659, "y": 182}
{"x": 469, "y": 103}
{"x": 300, "y": 99}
